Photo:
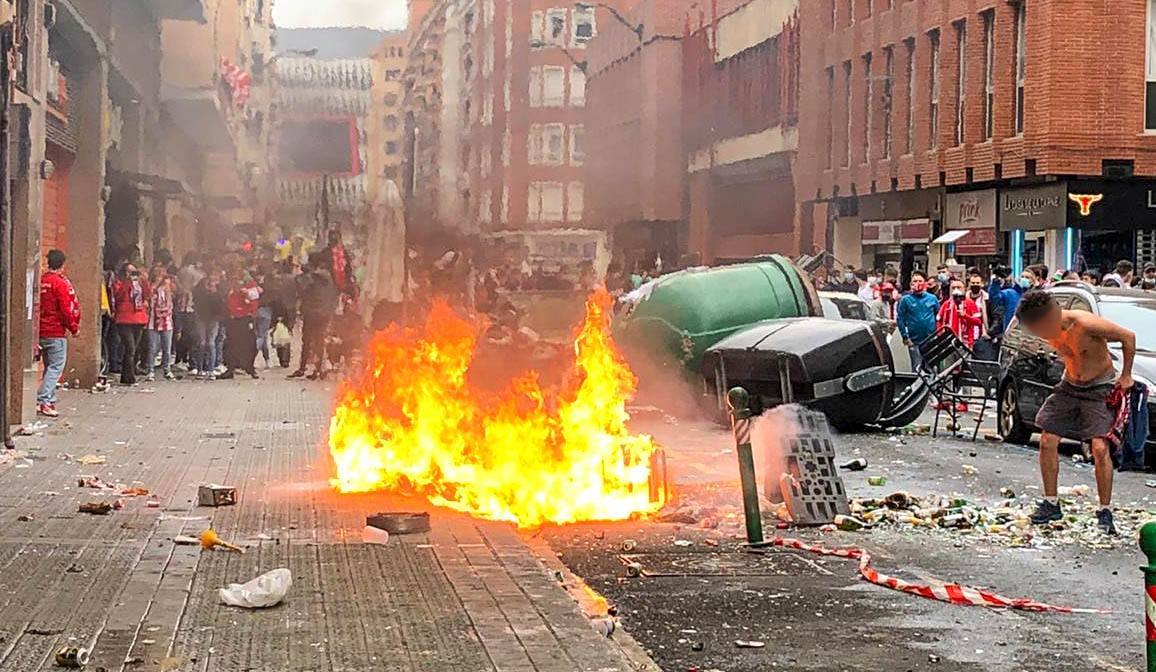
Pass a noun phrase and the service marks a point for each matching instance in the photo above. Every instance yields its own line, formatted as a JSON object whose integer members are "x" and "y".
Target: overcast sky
{"x": 388, "y": 14}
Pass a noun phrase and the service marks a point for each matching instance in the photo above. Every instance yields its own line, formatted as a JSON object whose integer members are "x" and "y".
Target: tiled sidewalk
{"x": 468, "y": 596}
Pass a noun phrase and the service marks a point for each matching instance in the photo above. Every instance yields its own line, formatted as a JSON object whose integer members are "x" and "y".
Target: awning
{"x": 950, "y": 237}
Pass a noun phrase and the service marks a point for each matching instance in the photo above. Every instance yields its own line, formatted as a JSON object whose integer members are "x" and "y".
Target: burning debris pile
{"x": 412, "y": 422}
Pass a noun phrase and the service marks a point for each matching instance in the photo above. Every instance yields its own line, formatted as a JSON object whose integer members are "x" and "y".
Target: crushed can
{"x": 216, "y": 495}
{"x": 72, "y": 657}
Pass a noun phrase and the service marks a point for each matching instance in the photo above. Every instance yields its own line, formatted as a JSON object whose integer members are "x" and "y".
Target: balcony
{"x": 201, "y": 113}
{"x": 179, "y": 10}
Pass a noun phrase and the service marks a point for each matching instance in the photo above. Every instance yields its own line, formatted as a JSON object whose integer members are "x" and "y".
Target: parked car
{"x": 846, "y": 306}
{"x": 1031, "y": 367}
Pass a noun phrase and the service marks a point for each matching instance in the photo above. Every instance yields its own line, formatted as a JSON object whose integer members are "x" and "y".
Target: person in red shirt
{"x": 59, "y": 317}
{"x": 131, "y": 294}
{"x": 961, "y": 315}
{"x": 240, "y": 338}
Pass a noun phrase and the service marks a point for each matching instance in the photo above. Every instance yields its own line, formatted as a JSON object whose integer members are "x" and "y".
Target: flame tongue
{"x": 411, "y": 422}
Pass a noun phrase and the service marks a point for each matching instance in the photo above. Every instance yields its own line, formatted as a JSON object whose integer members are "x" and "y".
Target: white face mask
{"x": 872, "y": 280}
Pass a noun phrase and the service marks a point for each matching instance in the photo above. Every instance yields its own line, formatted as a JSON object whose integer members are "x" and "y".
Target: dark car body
{"x": 1031, "y": 367}
{"x": 840, "y": 367}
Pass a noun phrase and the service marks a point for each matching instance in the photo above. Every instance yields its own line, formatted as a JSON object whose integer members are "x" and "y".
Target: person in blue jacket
{"x": 1004, "y": 296}
{"x": 915, "y": 315}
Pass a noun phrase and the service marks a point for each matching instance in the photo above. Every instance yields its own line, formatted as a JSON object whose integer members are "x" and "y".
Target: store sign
{"x": 1112, "y": 204}
{"x": 1034, "y": 208}
{"x": 1086, "y": 201}
{"x": 974, "y": 212}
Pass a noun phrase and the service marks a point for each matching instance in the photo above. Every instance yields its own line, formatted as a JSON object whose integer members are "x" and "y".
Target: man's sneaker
{"x": 299, "y": 373}
{"x": 194, "y": 372}
{"x": 152, "y": 377}
{"x": 1047, "y": 512}
{"x": 47, "y": 410}
{"x": 1105, "y": 521}
{"x": 169, "y": 375}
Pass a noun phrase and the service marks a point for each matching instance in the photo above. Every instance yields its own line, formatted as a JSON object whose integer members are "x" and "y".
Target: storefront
{"x": 1079, "y": 224}
{"x": 969, "y": 233}
{"x": 897, "y": 228}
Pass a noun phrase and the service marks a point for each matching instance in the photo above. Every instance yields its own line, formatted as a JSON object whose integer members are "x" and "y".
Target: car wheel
{"x": 1011, "y": 425}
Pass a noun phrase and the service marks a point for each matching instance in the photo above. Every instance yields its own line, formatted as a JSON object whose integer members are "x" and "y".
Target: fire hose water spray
{"x": 739, "y": 401}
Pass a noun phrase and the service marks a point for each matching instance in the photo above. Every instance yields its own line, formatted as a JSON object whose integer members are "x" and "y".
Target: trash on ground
{"x": 266, "y": 590}
{"x": 711, "y": 542}
{"x": 91, "y": 460}
{"x": 9, "y": 456}
{"x": 24, "y": 518}
{"x": 1150, "y": 484}
{"x": 749, "y": 644}
{"x": 857, "y": 464}
{"x": 969, "y": 470}
{"x": 877, "y": 481}
{"x": 1007, "y": 493}
{"x": 96, "y": 508}
{"x": 683, "y": 543}
{"x": 135, "y": 492}
{"x": 373, "y": 535}
{"x": 216, "y": 495}
{"x": 93, "y": 482}
{"x": 210, "y": 541}
{"x": 1074, "y": 491}
{"x": 153, "y": 504}
{"x": 71, "y": 656}
{"x": 629, "y": 545}
{"x": 186, "y": 540}
{"x": 604, "y": 626}
{"x": 400, "y": 522}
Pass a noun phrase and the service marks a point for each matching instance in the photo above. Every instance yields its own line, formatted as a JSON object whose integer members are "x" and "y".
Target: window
{"x": 537, "y": 20}
{"x": 1022, "y": 57}
{"x": 835, "y": 13}
{"x": 960, "y": 80}
{"x": 390, "y": 99}
{"x": 506, "y": 143}
{"x": 831, "y": 114}
{"x": 888, "y": 74}
{"x": 868, "y": 95}
{"x": 506, "y": 93}
{"x": 553, "y": 86}
{"x": 535, "y": 146}
{"x": 485, "y": 206}
{"x": 505, "y": 202}
{"x": 583, "y": 24}
{"x": 847, "y": 111}
{"x": 577, "y": 87}
{"x": 556, "y": 26}
{"x": 909, "y": 78}
{"x": 933, "y": 108}
{"x": 574, "y": 205}
{"x": 391, "y": 123}
{"x": 577, "y": 145}
{"x": 988, "y": 80}
{"x": 488, "y": 108}
{"x": 554, "y": 137}
{"x": 391, "y": 148}
{"x": 544, "y": 202}
{"x": 536, "y": 87}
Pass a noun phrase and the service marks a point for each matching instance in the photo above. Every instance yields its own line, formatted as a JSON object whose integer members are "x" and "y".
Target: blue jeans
{"x": 54, "y": 352}
{"x": 162, "y": 342}
{"x": 261, "y": 326}
{"x": 207, "y": 354}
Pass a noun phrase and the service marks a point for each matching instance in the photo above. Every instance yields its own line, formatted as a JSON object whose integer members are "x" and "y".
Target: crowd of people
{"x": 210, "y": 317}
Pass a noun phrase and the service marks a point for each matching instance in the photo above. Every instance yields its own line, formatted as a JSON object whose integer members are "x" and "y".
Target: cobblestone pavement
{"x": 467, "y": 597}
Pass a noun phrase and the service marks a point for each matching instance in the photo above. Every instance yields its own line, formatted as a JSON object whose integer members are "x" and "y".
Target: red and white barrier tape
{"x": 953, "y": 593}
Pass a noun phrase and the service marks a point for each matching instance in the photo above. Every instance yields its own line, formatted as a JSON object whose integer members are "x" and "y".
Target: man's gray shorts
{"x": 1077, "y": 412}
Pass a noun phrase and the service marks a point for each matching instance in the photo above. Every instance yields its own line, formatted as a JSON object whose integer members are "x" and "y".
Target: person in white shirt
{"x": 866, "y": 285}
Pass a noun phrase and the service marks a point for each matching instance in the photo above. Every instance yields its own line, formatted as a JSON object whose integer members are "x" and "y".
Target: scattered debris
{"x": 96, "y": 508}
{"x": 216, "y": 495}
{"x": 93, "y": 482}
{"x": 373, "y": 535}
{"x": 604, "y": 626}
{"x": 400, "y": 522}
{"x": 1150, "y": 484}
{"x": 749, "y": 644}
{"x": 264, "y": 537}
{"x": 1074, "y": 491}
{"x": 46, "y": 632}
{"x": 92, "y": 460}
{"x": 932, "y": 658}
{"x": 210, "y": 542}
{"x": 153, "y": 504}
{"x": 711, "y": 542}
{"x": 185, "y": 540}
{"x": 24, "y": 518}
{"x": 969, "y": 470}
{"x": 629, "y": 545}
{"x": 8, "y": 456}
{"x": 857, "y": 464}
{"x": 1007, "y": 493}
{"x": 634, "y": 569}
{"x": 71, "y": 656}
{"x": 877, "y": 481}
{"x": 135, "y": 492}
{"x": 683, "y": 543}
{"x": 31, "y": 429}
{"x": 266, "y": 590}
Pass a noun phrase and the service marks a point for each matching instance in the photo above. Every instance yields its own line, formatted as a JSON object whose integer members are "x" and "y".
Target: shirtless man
{"x": 1076, "y": 409}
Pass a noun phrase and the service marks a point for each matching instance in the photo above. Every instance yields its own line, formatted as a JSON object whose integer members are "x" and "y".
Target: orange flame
{"x": 411, "y": 422}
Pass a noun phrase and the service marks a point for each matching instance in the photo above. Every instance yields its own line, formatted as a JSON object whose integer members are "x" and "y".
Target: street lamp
{"x": 588, "y": 6}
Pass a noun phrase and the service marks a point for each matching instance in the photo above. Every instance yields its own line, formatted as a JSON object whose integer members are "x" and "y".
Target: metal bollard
{"x": 739, "y": 401}
{"x": 1148, "y": 545}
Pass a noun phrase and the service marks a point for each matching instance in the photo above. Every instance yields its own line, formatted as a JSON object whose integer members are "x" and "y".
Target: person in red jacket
{"x": 240, "y": 338}
{"x": 961, "y": 315}
{"x": 59, "y": 317}
{"x": 131, "y": 294}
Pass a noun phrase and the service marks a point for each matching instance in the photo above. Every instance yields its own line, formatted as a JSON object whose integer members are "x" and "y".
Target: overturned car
{"x": 757, "y": 325}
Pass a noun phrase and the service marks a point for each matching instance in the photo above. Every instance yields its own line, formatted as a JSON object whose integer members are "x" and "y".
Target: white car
{"x": 845, "y": 306}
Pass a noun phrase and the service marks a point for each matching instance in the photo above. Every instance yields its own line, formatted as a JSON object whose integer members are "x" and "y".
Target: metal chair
{"x": 954, "y": 376}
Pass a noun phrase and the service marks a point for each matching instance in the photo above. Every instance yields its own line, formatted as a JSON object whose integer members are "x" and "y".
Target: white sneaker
{"x": 220, "y": 369}
{"x": 152, "y": 377}
{"x": 194, "y": 372}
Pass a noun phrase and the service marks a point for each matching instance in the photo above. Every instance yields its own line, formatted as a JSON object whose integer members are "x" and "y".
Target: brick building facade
{"x": 923, "y": 117}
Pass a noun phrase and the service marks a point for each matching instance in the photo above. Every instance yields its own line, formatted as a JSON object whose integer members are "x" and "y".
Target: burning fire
{"x": 411, "y": 422}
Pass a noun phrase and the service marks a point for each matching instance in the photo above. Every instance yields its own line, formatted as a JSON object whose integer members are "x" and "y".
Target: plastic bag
{"x": 281, "y": 335}
{"x": 264, "y": 591}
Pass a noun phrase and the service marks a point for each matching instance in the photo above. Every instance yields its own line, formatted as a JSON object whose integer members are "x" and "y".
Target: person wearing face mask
{"x": 866, "y": 285}
{"x": 961, "y": 315}
{"x": 132, "y": 294}
{"x": 1148, "y": 280}
{"x": 1003, "y": 296}
{"x": 915, "y": 315}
